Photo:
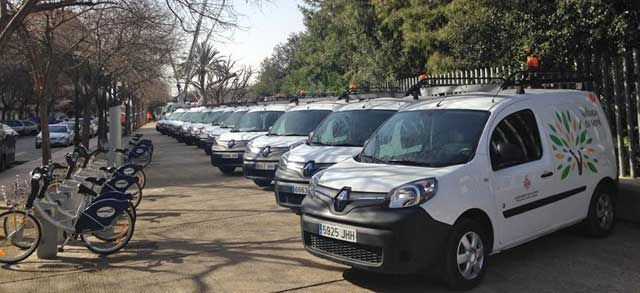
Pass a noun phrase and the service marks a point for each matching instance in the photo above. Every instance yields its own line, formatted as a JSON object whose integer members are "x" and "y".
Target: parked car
{"x": 339, "y": 137}
{"x": 59, "y": 135}
{"x": 194, "y": 115}
{"x": 30, "y": 127}
{"x": 445, "y": 183}
{"x": 17, "y": 125}
{"x": 8, "y": 138}
{"x": 290, "y": 130}
{"x": 228, "y": 150}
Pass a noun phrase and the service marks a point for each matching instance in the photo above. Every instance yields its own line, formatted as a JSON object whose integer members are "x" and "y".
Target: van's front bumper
{"x": 289, "y": 193}
{"x": 260, "y": 170}
{"x": 226, "y": 158}
{"x": 404, "y": 240}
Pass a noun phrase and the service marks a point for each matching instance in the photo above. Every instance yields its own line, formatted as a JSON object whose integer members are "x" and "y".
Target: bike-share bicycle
{"x": 103, "y": 221}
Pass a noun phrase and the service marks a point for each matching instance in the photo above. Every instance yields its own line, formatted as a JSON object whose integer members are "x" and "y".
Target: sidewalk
{"x": 200, "y": 231}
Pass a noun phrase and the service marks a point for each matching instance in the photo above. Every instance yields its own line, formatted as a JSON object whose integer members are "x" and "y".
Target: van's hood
{"x": 239, "y": 136}
{"x": 276, "y": 141}
{"x": 322, "y": 154}
{"x": 364, "y": 177}
{"x": 217, "y": 131}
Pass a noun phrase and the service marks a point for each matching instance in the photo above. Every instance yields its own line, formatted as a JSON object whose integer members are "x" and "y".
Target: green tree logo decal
{"x": 571, "y": 145}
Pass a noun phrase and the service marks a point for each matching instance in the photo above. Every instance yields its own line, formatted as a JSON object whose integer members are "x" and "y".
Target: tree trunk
{"x": 44, "y": 125}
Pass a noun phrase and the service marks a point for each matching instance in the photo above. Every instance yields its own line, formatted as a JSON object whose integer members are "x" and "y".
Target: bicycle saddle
{"x": 86, "y": 191}
{"x": 109, "y": 169}
{"x": 120, "y": 151}
{"x": 96, "y": 181}
{"x": 137, "y": 135}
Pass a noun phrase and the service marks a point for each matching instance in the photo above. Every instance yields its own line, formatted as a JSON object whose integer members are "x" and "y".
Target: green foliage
{"x": 379, "y": 41}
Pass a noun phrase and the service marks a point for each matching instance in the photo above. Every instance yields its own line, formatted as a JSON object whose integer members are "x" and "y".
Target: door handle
{"x": 546, "y": 174}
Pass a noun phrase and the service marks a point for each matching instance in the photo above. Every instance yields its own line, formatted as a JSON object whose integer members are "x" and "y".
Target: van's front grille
{"x": 248, "y": 172}
{"x": 356, "y": 252}
{"x": 289, "y": 198}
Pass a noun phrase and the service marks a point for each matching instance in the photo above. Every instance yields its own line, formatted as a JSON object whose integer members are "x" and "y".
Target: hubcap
{"x": 470, "y": 255}
{"x": 604, "y": 211}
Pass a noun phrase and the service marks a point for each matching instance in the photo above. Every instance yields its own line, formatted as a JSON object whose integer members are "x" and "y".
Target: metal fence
{"x": 615, "y": 79}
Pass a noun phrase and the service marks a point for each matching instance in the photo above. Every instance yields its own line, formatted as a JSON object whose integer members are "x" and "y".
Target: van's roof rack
{"x": 446, "y": 86}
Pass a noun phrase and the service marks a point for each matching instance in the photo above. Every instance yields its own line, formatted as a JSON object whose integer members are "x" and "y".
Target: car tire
{"x": 601, "y": 218}
{"x": 466, "y": 254}
{"x": 227, "y": 170}
{"x": 262, "y": 183}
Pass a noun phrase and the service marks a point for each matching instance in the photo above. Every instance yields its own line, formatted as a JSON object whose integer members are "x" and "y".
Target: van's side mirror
{"x": 310, "y": 136}
{"x": 508, "y": 155}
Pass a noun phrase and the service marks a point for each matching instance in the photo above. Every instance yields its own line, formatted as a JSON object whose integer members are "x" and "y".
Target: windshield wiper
{"x": 408, "y": 163}
{"x": 345, "y": 145}
{"x": 372, "y": 159}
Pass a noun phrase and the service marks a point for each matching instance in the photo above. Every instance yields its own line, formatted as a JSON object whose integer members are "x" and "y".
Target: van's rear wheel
{"x": 466, "y": 255}
{"x": 601, "y": 218}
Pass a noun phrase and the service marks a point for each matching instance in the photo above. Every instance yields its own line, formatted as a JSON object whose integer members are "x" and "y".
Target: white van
{"x": 227, "y": 121}
{"x": 291, "y": 129}
{"x": 446, "y": 182}
{"x": 339, "y": 137}
{"x": 228, "y": 150}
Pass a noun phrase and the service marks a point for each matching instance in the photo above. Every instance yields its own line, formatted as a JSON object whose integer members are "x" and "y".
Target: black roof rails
{"x": 442, "y": 86}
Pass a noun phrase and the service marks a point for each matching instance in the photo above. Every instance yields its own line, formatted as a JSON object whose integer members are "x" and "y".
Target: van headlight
{"x": 413, "y": 193}
{"x": 313, "y": 183}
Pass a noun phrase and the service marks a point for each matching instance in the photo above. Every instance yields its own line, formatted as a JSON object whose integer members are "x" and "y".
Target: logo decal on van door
{"x": 571, "y": 145}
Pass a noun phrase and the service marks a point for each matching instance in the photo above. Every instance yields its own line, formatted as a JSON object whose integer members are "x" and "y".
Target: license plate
{"x": 337, "y": 232}
{"x": 265, "y": 166}
{"x": 299, "y": 189}
{"x": 229, "y": 156}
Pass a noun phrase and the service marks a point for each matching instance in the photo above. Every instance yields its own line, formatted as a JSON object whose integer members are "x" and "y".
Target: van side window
{"x": 515, "y": 141}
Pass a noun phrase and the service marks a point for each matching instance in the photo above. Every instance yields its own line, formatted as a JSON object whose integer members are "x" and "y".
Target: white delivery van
{"x": 291, "y": 129}
{"x": 228, "y": 150}
{"x": 445, "y": 183}
{"x": 339, "y": 137}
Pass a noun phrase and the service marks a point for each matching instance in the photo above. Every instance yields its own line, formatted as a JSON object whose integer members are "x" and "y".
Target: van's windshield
{"x": 233, "y": 119}
{"x": 430, "y": 138}
{"x": 349, "y": 128}
{"x": 257, "y": 121}
{"x": 298, "y": 123}
{"x": 221, "y": 117}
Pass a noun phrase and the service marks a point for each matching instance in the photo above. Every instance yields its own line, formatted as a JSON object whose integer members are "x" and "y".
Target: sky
{"x": 262, "y": 28}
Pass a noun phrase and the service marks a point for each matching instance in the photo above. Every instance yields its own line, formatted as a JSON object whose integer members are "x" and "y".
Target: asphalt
{"x": 200, "y": 231}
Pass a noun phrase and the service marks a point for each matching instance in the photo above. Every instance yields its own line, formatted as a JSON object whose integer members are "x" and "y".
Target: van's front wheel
{"x": 601, "y": 218}
{"x": 466, "y": 255}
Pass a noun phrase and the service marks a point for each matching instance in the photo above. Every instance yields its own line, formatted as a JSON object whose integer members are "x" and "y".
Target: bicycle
{"x": 103, "y": 223}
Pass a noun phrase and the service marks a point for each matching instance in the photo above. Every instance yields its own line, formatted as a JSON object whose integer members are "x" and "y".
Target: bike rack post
{"x": 48, "y": 247}
{"x": 115, "y": 133}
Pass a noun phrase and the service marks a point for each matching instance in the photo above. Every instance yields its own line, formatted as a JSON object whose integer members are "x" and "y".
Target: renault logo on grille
{"x": 231, "y": 144}
{"x": 309, "y": 168}
{"x": 266, "y": 151}
{"x": 342, "y": 199}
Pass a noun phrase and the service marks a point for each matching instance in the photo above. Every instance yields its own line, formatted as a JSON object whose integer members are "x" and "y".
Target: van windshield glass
{"x": 210, "y": 117}
{"x": 257, "y": 121}
{"x": 430, "y": 138}
{"x": 233, "y": 119}
{"x": 298, "y": 123}
{"x": 221, "y": 117}
{"x": 349, "y": 128}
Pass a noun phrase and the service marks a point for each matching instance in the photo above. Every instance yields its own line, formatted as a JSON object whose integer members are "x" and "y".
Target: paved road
{"x": 199, "y": 231}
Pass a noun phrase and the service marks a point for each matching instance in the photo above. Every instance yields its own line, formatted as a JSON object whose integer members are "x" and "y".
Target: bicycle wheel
{"x": 108, "y": 236}
{"x": 143, "y": 160}
{"x": 112, "y": 239}
{"x": 54, "y": 186}
{"x": 20, "y": 236}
